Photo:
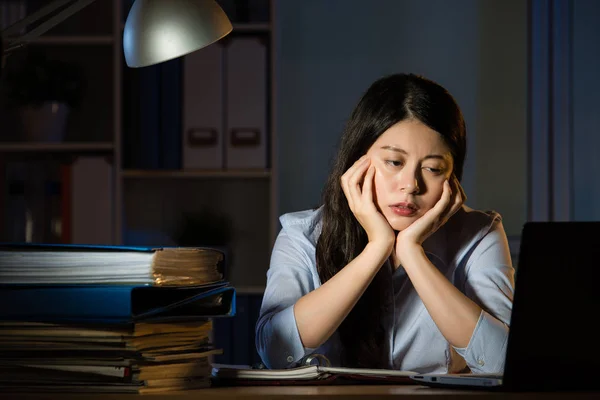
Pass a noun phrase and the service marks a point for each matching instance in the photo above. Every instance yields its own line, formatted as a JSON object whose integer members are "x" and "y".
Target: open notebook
{"x": 304, "y": 375}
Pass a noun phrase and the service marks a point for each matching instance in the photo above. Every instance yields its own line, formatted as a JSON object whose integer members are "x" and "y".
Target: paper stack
{"x": 103, "y": 323}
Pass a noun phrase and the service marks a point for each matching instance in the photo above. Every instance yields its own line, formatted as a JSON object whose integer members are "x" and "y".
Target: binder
{"x": 203, "y": 108}
{"x": 246, "y": 103}
{"x": 114, "y": 303}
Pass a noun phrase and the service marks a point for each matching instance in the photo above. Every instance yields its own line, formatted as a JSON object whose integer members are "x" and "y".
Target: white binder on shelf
{"x": 246, "y": 99}
{"x": 203, "y": 108}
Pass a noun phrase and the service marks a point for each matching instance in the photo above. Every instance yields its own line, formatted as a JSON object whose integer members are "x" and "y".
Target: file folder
{"x": 246, "y": 99}
{"x": 203, "y": 108}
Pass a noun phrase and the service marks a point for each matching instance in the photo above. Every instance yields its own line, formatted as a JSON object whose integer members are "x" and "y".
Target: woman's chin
{"x": 399, "y": 223}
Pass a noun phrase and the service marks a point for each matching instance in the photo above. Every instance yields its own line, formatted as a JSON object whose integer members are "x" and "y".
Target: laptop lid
{"x": 553, "y": 343}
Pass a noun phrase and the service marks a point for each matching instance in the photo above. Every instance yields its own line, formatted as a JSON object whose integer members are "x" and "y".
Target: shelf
{"x": 74, "y": 40}
{"x": 249, "y": 290}
{"x": 252, "y": 27}
{"x": 231, "y": 174}
{"x": 243, "y": 27}
{"x": 18, "y": 147}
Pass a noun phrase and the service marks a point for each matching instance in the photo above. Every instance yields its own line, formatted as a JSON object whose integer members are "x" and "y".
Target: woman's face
{"x": 411, "y": 163}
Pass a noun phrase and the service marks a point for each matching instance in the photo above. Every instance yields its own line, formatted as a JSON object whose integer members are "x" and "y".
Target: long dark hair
{"x": 388, "y": 101}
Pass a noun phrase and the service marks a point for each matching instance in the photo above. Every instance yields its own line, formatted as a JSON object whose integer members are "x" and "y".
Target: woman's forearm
{"x": 319, "y": 313}
{"x": 454, "y": 313}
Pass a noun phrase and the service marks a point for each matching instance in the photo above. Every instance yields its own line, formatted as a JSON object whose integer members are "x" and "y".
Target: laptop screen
{"x": 553, "y": 343}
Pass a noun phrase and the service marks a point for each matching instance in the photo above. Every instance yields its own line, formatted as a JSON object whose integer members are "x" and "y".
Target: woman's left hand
{"x": 453, "y": 197}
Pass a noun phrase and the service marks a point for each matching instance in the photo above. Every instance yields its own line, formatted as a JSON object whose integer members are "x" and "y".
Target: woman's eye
{"x": 394, "y": 163}
{"x": 436, "y": 171}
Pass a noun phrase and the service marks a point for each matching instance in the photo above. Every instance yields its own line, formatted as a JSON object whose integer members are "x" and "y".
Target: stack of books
{"x": 109, "y": 318}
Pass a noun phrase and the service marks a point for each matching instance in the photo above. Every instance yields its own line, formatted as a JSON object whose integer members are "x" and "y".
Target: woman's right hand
{"x": 357, "y": 184}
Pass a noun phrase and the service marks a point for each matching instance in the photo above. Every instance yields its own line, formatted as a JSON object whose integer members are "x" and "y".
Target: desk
{"x": 312, "y": 393}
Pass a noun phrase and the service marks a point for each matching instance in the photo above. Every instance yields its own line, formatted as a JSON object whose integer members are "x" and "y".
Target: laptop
{"x": 553, "y": 343}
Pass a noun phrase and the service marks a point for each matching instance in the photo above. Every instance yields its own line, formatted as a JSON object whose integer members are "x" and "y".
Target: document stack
{"x": 77, "y": 318}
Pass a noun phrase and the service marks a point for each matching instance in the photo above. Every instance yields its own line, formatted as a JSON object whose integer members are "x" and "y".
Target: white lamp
{"x": 160, "y": 30}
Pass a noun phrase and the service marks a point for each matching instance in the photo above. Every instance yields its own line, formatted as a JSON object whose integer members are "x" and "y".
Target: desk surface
{"x": 312, "y": 393}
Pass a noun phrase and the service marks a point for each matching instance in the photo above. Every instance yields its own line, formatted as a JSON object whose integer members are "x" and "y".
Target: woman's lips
{"x": 404, "y": 209}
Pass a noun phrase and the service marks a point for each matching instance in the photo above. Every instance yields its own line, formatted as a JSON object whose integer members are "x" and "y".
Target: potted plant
{"x": 43, "y": 91}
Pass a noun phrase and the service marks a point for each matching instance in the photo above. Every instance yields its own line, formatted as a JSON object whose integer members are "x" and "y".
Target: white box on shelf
{"x": 246, "y": 122}
{"x": 203, "y": 108}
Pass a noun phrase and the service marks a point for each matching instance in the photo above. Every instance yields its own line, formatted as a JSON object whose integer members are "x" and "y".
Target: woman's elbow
{"x": 273, "y": 346}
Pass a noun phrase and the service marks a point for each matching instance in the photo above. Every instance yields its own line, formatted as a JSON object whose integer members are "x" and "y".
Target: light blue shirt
{"x": 471, "y": 250}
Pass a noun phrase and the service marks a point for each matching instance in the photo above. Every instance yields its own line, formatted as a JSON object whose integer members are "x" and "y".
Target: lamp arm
{"x": 13, "y": 43}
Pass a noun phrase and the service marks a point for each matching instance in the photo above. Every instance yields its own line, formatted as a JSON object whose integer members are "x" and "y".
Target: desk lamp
{"x": 155, "y": 30}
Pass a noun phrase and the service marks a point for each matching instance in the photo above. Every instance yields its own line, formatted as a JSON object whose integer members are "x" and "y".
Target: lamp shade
{"x": 160, "y": 30}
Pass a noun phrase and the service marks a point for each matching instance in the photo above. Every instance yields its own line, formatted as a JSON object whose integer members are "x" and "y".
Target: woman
{"x": 393, "y": 270}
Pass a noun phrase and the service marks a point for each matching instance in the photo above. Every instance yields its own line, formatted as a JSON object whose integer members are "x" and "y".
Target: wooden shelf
{"x": 22, "y": 147}
{"x": 231, "y": 174}
{"x": 74, "y": 40}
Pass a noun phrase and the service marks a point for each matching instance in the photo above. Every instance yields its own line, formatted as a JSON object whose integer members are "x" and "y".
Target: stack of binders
{"x": 109, "y": 318}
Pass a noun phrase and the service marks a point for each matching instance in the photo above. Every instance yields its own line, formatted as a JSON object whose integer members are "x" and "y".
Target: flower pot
{"x": 45, "y": 123}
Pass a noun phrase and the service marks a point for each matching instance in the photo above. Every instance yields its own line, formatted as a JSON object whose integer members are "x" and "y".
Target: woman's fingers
{"x": 344, "y": 183}
{"x": 444, "y": 201}
{"x": 356, "y": 178}
{"x": 436, "y": 216}
{"x": 458, "y": 199}
{"x": 351, "y": 181}
{"x": 367, "y": 189}
{"x": 449, "y": 203}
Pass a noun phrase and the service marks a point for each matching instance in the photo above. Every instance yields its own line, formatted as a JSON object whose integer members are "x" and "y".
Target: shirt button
{"x": 290, "y": 359}
{"x": 481, "y": 362}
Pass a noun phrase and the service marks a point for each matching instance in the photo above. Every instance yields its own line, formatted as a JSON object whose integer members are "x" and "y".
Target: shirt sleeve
{"x": 288, "y": 279}
{"x": 489, "y": 283}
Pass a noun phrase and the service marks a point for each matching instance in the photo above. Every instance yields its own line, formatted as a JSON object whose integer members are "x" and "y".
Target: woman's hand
{"x": 453, "y": 197}
{"x": 357, "y": 183}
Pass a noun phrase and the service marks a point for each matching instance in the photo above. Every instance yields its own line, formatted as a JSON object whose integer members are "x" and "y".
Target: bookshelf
{"x": 246, "y": 196}
{"x": 38, "y": 177}
{"x": 82, "y": 147}
{"x": 75, "y": 40}
{"x": 252, "y": 27}
{"x": 205, "y": 174}
{"x": 145, "y": 204}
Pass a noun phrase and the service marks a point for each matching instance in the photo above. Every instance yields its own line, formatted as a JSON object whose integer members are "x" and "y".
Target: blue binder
{"x": 115, "y": 303}
{"x": 89, "y": 247}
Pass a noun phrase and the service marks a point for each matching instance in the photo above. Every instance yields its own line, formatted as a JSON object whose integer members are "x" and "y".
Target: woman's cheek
{"x": 378, "y": 188}
{"x": 439, "y": 190}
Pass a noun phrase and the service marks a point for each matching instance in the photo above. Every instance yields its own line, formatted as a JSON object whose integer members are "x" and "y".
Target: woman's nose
{"x": 411, "y": 188}
{"x": 409, "y": 182}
